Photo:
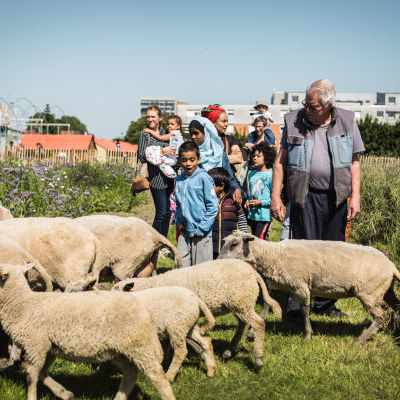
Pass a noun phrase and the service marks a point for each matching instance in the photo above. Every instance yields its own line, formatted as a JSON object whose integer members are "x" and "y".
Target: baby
{"x": 174, "y": 136}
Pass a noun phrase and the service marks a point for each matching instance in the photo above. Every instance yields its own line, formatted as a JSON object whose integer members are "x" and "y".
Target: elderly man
{"x": 319, "y": 162}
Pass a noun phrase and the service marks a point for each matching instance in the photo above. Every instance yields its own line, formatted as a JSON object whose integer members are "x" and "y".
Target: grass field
{"x": 326, "y": 367}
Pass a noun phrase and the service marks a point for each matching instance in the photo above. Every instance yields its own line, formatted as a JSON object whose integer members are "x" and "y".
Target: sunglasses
{"x": 312, "y": 107}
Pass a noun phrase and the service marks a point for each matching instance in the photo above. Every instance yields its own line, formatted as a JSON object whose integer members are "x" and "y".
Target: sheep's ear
{"x": 4, "y": 274}
{"x": 90, "y": 283}
{"x": 129, "y": 286}
{"x": 247, "y": 237}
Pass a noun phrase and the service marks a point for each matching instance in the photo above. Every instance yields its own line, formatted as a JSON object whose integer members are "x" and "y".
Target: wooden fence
{"x": 69, "y": 156}
{"x": 375, "y": 160}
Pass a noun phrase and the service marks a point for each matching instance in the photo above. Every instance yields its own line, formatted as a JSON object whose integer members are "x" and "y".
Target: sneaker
{"x": 333, "y": 312}
{"x": 164, "y": 253}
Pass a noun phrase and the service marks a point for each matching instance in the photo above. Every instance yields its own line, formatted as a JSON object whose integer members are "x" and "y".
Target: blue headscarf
{"x": 212, "y": 149}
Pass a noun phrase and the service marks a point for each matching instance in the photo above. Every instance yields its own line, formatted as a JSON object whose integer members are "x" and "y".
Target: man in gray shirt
{"x": 319, "y": 161}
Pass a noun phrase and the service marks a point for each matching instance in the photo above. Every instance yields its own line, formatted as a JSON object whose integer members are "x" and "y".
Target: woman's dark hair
{"x": 220, "y": 177}
{"x": 197, "y": 125}
{"x": 189, "y": 146}
{"x": 177, "y": 118}
{"x": 260, "y": 119}
{"x": 269, "y": 153}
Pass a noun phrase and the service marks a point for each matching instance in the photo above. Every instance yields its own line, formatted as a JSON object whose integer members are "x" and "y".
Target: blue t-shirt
{"x": 260, "y": 187}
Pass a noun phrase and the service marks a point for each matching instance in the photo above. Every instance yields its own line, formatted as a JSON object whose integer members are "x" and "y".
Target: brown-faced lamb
{"x": 321, "y": 268}
{"x": 175, "y": 310}
{"x": 89, "y": 326}
{"x": 224, "y": 286}
{"x": 129, "y": 246}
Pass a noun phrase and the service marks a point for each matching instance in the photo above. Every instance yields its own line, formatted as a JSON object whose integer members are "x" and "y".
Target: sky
{"x": 96, "y": 59}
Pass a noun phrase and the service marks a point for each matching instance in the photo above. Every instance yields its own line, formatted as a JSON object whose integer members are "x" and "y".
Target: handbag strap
{"x": 137, "y": 157}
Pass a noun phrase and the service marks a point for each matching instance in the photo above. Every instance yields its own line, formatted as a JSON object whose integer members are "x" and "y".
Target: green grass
{"x": 326, "y": 367}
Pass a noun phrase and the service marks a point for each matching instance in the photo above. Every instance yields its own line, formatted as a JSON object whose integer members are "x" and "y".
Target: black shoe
{"x": 295, "y": 317}
{"x": 332, "y": 312}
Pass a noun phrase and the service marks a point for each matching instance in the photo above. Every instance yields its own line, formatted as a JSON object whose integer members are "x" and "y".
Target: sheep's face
{"x": 82, "y": 285}
{"x": 237, "y": 246}
{"x": 124, "y": 286}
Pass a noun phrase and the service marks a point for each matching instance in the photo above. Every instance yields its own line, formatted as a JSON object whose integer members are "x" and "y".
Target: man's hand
{"x": 197, "y": 234}
{"x": 237, "y": 197}
{"x": 277, "y": 208}
{"x": 353, "y": 208}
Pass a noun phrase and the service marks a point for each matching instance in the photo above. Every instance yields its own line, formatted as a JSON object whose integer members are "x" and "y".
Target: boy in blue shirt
{"x": 196, "y": 207}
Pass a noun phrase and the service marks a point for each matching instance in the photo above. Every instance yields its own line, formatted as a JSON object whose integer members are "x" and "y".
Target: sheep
{"x": 224, "y": 286}
{"x": 5, "y": 213}
{"x": 175, "y": 310}
{"x": 90, "y": 326}
{"x": 67, "y": 251}
{"x": 321, "y": 268}
{"x": 127, "y": 245}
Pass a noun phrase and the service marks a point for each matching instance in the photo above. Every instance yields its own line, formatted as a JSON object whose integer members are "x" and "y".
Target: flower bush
{"x": 46, "y": 189}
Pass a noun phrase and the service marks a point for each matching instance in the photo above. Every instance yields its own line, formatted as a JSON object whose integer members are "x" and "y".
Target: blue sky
{"x": 96, "y": 59}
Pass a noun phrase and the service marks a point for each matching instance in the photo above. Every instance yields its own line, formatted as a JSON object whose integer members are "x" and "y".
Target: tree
{"x": 49, "y": 118}
{"x": 76, "y": 124}
{"x": 380, "y": 139}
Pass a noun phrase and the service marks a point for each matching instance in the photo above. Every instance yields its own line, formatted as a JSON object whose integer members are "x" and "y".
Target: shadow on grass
{"x": 288, "y": 327}
{"x": 93, "y": 386}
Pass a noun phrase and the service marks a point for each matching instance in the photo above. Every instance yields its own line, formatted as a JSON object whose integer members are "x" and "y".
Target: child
{"x": 196, "y": 207}
{"x": 153, "y": 153}
{"x": 230, "y": 216}
{"x": 260, "y": 187}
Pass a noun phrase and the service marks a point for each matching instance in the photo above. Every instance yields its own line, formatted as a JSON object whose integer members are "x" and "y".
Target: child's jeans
{"x": 194, "y": 250}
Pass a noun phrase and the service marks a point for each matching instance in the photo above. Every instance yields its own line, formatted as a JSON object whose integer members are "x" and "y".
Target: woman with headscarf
{"x": 219, "y": 117}
{"x": 212, "y": 154}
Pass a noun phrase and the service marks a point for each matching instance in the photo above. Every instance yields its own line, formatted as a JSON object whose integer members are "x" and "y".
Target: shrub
{"x": 45, "y": 189}
{"x": 378, "y": 224}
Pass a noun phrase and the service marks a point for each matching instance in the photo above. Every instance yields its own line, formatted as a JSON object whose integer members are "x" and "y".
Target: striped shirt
{"x": 157, "y": 179}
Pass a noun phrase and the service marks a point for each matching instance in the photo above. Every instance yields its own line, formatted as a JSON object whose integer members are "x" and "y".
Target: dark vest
{"x": 300, "y": 140}
{"x": 225, "y": 222}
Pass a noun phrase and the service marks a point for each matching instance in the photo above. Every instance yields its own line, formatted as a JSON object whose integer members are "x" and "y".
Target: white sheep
{"x": 224, "y": 286}
{"x": 5, "y": 213}
{"x": 321, "y": 268}
{"x": 175, "y": 310}
{"x": 67, "y": 251}
{"x": 90, "y": 326}
{"x": 128, "y": 245}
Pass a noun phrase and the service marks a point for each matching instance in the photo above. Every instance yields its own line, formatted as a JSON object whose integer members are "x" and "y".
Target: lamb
{"x": 90, "y": 326}
{"x": 224, "y": 286}
{"x": 321, "y": 268}
{"x": 128, "y": 245}
{"x": 175, "y": 310}
{"x": 67, "y": 251}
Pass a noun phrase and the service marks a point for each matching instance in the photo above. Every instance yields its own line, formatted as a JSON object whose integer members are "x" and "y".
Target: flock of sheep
{"x": 125, "y": 325}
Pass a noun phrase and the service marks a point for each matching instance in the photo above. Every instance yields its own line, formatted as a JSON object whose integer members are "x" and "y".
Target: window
{"x": 379, "y": 113}
{"x": 295, "y": 99}
{"x": 392, "y": 100}
{"x": 391, "y": 114}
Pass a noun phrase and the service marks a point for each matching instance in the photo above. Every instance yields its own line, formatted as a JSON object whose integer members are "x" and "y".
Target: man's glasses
{"x": 312, "y": 107}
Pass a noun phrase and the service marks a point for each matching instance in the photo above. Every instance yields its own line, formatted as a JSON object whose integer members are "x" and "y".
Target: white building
{"x": 384, "y": 106}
